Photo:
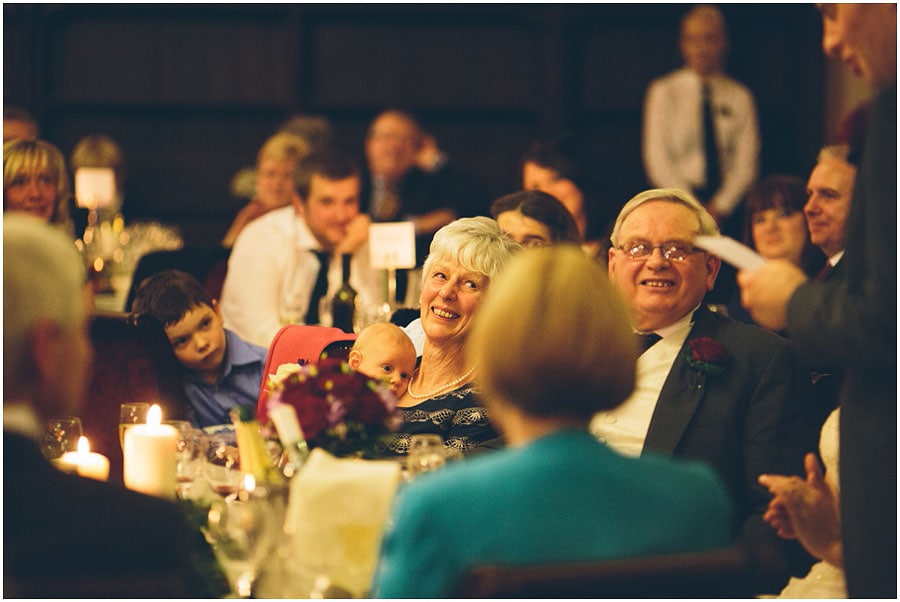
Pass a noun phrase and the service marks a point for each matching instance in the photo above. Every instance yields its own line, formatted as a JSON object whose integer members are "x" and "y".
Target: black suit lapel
{"x": 681, "y": 393}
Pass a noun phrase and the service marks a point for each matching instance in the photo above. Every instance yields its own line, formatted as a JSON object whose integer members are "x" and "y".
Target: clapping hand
{"x": 806, "y": 510}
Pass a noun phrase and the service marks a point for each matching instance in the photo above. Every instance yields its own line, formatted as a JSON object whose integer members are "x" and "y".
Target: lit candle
{"x": 150, "y": 448}
{"x": 84, "y": 462}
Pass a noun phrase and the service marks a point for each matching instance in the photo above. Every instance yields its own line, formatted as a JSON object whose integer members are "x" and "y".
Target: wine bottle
{"x": 343, "y": 304}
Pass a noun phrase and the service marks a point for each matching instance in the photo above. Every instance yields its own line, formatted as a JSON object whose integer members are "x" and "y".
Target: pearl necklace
{"x": 452, "y": 383}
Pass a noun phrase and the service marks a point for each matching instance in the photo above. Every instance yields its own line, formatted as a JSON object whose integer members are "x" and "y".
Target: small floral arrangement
{"x": 340, "y": 410}
{"x": 706, "y": 355}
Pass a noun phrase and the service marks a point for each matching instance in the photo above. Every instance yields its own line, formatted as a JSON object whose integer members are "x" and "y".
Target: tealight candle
{"x": 84, "y": 462}
{"x": 149, "y": 456}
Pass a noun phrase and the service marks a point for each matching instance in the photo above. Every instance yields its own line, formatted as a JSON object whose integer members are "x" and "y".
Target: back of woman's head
{"x": 552, "y": 336}
{"x": 542, "y": 207}
{"x": 475, "y": 243}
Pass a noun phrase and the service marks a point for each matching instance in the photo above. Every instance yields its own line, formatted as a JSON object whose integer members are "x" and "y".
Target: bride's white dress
{"x": 823, "y": 580}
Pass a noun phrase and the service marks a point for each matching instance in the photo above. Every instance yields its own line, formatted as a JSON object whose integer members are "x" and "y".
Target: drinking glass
{"x": 243, "y": 527}
{"x": 190, "y": 455}
{"x": 129, "y": 414}
{"x": 426, "y": 452}
{"x": 60, "y": 436}
{"x": 222, "y": 469}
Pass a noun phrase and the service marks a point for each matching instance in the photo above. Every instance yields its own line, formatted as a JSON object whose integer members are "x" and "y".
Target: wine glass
{"x": 426, "y": 452}
{"x": 60, "y": 436}
{"x": 243, "y": 529}
{"x": 222, "y": 468}
{"x": 129, "y": 414}
{"x": 190, "y": 455}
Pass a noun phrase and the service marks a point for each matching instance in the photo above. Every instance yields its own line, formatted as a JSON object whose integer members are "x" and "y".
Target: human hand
{"x": 765, "y": 291}
{"x": 806, "y": 510}
{"x": 357, "y": 233}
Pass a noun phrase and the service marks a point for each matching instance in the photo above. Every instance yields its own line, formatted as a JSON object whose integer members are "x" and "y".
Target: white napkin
{"x": 337, "y": 511}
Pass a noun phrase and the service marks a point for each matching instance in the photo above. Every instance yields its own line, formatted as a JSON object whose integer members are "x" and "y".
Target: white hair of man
{"x": 43, "y": 279}
{"x": 673, "y": 195}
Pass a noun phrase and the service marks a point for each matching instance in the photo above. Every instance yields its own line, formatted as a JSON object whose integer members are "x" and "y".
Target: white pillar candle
{"x": 84, "y": 462}
{"x": 149, "y": 452}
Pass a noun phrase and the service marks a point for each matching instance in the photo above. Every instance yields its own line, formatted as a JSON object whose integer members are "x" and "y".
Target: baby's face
{"x": 390, "y": 363}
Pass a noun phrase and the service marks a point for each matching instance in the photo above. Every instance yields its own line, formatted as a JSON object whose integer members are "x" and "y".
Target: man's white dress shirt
{"x": 672, "y": 136}
{"x": 272, "y": 271}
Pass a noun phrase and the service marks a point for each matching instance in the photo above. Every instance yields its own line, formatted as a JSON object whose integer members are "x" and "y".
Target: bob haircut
{"x": 553, "y": 336}
{"x": 26, "y": 157}
{"x": 169, "y": 295}
{"x": 43, "y": 278}
{"x": 284, "y": 146}
{"x": 542, "y": 207}
{"x": 477, "y": 244}
{"x": 706, "y": 221}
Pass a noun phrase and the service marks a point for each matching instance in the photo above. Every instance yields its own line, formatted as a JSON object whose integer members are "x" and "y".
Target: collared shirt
{"x": 834, "y": 259}
{"x": 672, "y": 138}
{"x": 272, "y": 271}
{"x": 624, "y": 428}
{"x": 238, "y": 385}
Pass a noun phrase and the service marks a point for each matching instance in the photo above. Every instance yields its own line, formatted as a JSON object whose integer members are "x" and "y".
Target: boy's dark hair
{"x": 168, "y": 295}
{"x": 331, "y": 165}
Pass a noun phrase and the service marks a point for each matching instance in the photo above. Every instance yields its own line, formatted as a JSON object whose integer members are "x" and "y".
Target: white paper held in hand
{"x": 739, "y": 255}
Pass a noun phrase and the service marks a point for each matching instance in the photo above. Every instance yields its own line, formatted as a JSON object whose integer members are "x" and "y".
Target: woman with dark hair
{"x": 559, "y": 166}
{"x": 776, "y": 228}
{"x": 535, "y": 219}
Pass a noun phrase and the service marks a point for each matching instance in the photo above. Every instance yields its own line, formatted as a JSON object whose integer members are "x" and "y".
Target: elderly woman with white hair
{"x": 440, "y": 398}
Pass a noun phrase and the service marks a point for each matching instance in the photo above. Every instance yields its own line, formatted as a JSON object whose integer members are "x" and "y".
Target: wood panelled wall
{"x": 192, "y": 91}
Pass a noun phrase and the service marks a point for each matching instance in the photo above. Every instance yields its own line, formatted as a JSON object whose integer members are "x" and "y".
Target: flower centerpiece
{"x": 706, "y": 355}
{"x": 340, "y": 410}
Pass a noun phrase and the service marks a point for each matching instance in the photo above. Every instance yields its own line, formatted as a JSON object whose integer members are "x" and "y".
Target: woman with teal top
{"x": 552, "y": 346}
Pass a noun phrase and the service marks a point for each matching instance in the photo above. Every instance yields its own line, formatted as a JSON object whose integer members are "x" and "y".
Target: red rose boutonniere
{"x": 706, "y": 355}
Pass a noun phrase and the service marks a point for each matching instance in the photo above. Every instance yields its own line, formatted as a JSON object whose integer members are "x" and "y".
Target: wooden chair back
{"x": 725, "y": 573}
{"x": 133, "y": 361}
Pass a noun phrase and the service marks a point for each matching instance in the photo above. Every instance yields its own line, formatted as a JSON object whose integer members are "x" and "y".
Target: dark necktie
{"x": 823, "y": 273}
{"x": 710, "y": 149}
{"x": 320, "y": 288}
{"x": 646, "y": 341}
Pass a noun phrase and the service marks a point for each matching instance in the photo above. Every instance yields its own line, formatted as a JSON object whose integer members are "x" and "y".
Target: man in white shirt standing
{"x": 674, "y": 147}
{"x": 830, "y": 190}
{"x": 275, "y": 264}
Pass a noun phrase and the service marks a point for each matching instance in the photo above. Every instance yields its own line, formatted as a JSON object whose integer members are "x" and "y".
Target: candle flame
{"x": 83, "y": 446}
{"x": 249, "y": 482}
{"x": 154, "y": 415}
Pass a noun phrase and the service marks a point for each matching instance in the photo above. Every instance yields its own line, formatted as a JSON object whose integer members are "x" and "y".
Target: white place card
{"x": 95, "y": 187}
{"x": 392, "y": 245}
{"x": 740, "y": 256}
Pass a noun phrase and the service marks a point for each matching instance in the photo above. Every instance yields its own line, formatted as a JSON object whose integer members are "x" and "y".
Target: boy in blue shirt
{"x": 219, "y": 369}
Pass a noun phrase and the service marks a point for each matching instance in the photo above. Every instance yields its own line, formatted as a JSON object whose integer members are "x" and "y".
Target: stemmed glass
{"x": 243, "y": 529}
{"x": 60, "y": 436}
{"x": 129, "y": 414}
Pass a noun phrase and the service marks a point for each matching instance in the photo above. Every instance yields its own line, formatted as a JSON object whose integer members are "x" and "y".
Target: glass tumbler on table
{"x": 426, "y": 452}
{"x": 190, "y": 455}
{"x": 130, "y": 414}
{"x": 222, "y": 468}
{"x": 60, "y": 436}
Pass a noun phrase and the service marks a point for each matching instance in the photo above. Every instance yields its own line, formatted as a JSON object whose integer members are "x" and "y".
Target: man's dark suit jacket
{"x": 851, "y": 323}
{"x": 754, "y": 417}
{"x": 61, "y": 529}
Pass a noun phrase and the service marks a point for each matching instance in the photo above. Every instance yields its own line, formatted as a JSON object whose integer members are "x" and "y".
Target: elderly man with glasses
{"x": 707, "y": 387}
